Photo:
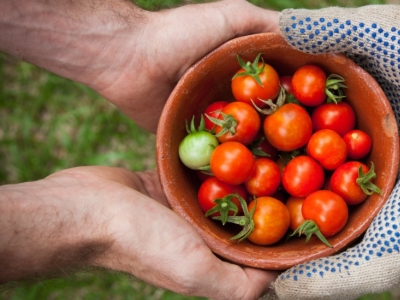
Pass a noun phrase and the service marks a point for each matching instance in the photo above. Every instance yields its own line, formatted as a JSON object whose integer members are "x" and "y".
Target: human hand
{"x": 106, "y": 217}
{"x": 172, "y": 41}
{"x": 369, "y": 36}
{"x": 132, "y": 57}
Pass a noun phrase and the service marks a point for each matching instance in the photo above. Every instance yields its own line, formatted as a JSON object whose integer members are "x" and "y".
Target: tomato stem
{"x": 223, "y": 206}
{"x": 308, "y": 228}
{"x": 364, "y": 181}
{"x": 251, "y": 69}
{"x": 273, "y": 107}
{"x": 246, "y": 221}
{"x": 228, "y": 124}
{"x": 253, "y": 147}
{"x": 334, "y": 88}
{"x": 192, "y": 127}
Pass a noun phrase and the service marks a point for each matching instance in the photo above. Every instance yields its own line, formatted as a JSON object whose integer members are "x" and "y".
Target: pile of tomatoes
{"x": 283, "y": 156}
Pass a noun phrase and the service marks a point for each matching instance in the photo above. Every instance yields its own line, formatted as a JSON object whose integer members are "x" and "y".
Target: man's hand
{"x": 105, "y": 217}
{"x": 132, "y": 57}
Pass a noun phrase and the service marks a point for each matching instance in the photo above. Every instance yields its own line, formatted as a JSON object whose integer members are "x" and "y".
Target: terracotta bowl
{"x": 208, "y": 81}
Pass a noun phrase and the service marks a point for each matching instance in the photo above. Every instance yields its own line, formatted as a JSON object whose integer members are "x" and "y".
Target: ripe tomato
{"x": 213, "y": 110}
{"x": 246, "y": 89}
{"x": 358, "y": 144}
{"x": 308, "y": 83}
{"x": 288, "y": 128}
{"x": 328, "y": 148}
{"x": 265, "y": 179}
{"x": 232, "y": 162}
{"x": 294, "y": 205}
{"x": 286, "y": 83}
{"x": 271, "y": 220}
{"x": 212, "y": 189}
{"x": 344, "y": 182}
{"x": 327, "y": 209}
{"x": 338, "y": 117}
{"x": 302, "y": 176}
{"x": 238, "y": 121}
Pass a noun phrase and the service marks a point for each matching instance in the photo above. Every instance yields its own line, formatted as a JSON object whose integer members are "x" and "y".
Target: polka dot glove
{"x": 369, "y": 35}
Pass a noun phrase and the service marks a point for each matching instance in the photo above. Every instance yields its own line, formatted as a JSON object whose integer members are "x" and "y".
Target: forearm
{"x": 74, "y": 39}
{"x": 42, "y": 233}
{"x": 78, "y": 218}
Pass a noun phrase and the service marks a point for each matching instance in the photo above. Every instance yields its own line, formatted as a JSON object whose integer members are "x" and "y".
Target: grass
{"x": 48, "y": 123}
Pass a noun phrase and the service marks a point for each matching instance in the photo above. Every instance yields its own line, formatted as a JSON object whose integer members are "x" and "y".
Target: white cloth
{"x": 369, "y": 35}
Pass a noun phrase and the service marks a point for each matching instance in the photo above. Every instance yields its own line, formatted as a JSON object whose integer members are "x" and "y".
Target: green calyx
{"x": 192, "y": 127}
{"x": 255, "y": 150}
{"x": 224, "y": 206}
{"x": 286, "y": 157}
{"x": 334, "y": 88}
{"x": 251, "y": 69}
{"x": 364, "y": 181}
{"x": 308, "y": 228}
{"x": 272, "y": 107}
{"x": 246, "y": 221}
{"x": 228, "y": 124}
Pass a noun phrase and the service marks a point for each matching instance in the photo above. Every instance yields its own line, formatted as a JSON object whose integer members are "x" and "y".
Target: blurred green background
{"x": 48, "y": 123}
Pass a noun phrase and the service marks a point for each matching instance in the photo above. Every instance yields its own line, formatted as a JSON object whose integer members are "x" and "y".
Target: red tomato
{"x": 286, "y": 83}
{"x": 358, "y": 144}
{"x": 265, "y": 179}
{"x": 338, "y": 117}
{"x": 302, "y": 176}
{"x": 328, "y": 148}
{"x": 213, "y": 188}
{"x": 232, "y": 162}
{"x": 247, "y": 123}
{"x": 245, "y": 88}
{"x": 213, "y": 110}
{"x": 288, "y": 128}
{"x": 344, "y": 182}
{"x": 327, "y": 209}
{"x": 271, "y": 221}
{"x": 308, "y": 83}
{"x": 294, "y": 205}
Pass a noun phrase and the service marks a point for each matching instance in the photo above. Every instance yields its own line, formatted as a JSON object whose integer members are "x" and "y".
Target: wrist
{"x": 77, "y": 40}
{"x": 44, "y": 231}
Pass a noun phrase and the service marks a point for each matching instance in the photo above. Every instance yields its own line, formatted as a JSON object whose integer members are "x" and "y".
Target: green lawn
{"x": 48, "y": 123}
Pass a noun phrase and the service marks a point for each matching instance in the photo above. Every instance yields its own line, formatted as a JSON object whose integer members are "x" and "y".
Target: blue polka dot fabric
{"x": 373, "y": 43}
{"x": 370, "y": 36}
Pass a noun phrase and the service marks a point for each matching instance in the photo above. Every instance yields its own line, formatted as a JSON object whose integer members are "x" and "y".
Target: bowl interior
{"x": 208, "y": 81}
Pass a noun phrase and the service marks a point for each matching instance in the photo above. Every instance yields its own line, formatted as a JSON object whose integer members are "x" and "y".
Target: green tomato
{"x": 196, "y": 148}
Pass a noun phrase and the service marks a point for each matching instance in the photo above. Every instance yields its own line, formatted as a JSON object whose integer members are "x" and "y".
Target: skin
{"x": 108, "y": 217}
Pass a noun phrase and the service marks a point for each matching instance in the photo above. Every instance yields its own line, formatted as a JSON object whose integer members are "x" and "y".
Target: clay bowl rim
{"x": 280, "y": 256}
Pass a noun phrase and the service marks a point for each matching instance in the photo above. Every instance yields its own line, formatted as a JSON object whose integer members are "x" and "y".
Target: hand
{"x": 173, "y": 40}
{"x": 373, "y": 265}
{"x": 132, "y": 57}
{"x": 106, "y": 217}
